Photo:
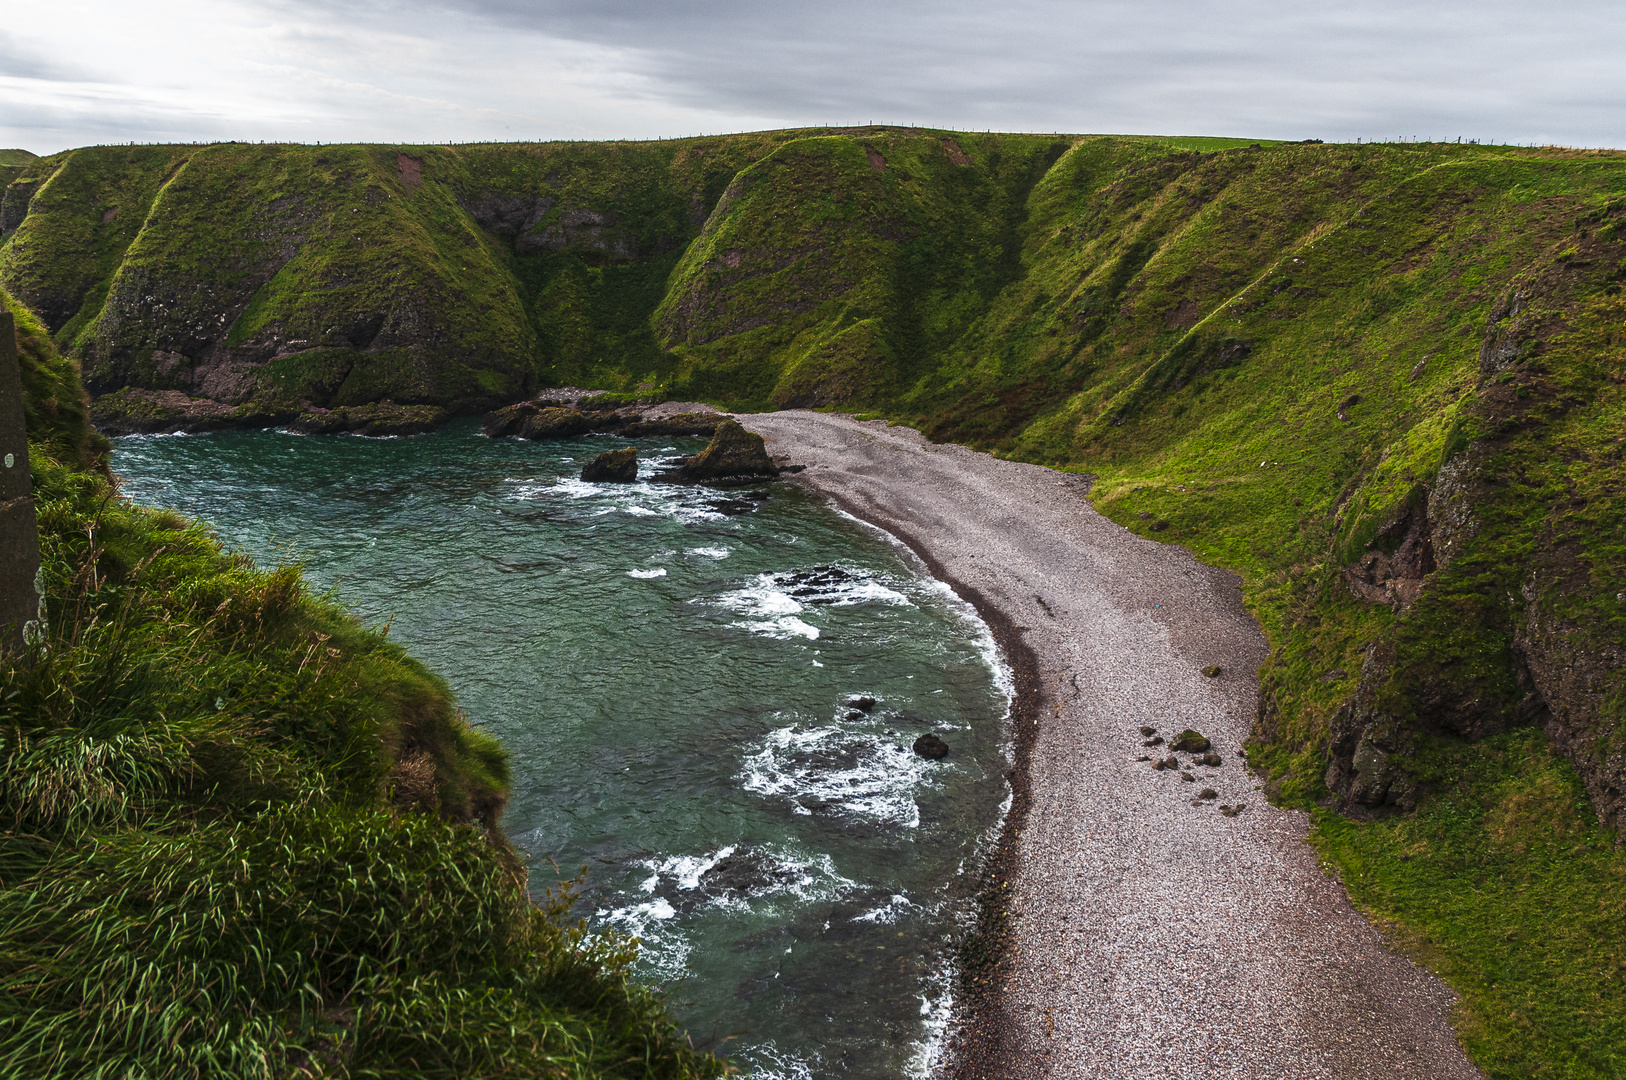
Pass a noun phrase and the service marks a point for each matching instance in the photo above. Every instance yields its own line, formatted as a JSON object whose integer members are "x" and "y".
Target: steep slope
{"x": 246, "y": 836}
{"x": 1381, "y": 382}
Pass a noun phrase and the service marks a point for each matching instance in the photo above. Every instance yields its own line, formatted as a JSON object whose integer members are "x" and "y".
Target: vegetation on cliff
{"x": 247, "y": 836}
{"x": 1383, "y": 383}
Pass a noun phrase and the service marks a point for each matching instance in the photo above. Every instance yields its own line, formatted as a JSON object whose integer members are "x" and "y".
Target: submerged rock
{"x": 931, "y": 747}
{"x": 613, "y": 466}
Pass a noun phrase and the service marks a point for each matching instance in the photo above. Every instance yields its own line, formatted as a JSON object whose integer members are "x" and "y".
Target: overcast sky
{"x": 74, "y": 72}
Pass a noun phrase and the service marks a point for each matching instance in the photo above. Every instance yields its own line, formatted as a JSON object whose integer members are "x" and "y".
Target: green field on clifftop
{"x": 1383, "y": 383}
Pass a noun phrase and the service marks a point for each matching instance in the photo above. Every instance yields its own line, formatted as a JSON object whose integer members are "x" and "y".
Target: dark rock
{"x": 930, "y": 746}
{"x": 1188, "y": 778}
{"x": 613, "y": 466}
{"x": 1207, "y": 793}
{"x": 1143, "y": 757}
{"x": 700, "y": 424}
{"x": 1145, "y": 515}
{"x": 1212, "y": 760}
{"x": 862, "y": 702}
{"x": 854, "y": 714}
{"x": 1171, "y": 762}
{"x": 1160, "y": 764}
{"x": 732, "y": 507}
{"x": 1148, "y": 731}
{"x": 732, "y": 452}
{"x": 378, "y": 420}
{"x": 1233, "y": 811}
{"x": 1212, "y": 671}
{"x": 1158, "y": 741}
{"x": 1157, "y": 526}
{"x": 1190, "y": 742}
{"x": 530, "y": 420}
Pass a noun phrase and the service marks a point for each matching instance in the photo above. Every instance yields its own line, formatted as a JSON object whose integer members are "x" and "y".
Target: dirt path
{"x": 1151, "y": 937}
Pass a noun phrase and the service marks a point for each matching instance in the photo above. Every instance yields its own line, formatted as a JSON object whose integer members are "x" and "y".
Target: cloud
{"x": 437, "y": 70}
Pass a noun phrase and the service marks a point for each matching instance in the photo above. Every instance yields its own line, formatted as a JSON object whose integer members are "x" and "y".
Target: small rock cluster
{"x": 1198, "y": 745}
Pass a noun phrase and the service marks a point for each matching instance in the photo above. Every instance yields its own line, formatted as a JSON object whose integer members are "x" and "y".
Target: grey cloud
{"x": 1375, "y": 68}
{"x": 20, "y": 59}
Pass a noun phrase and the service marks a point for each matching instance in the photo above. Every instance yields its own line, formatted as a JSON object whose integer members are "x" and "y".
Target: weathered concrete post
{"x": 19, "y": 532}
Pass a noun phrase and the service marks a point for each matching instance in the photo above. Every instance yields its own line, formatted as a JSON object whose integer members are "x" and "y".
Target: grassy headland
{"x": 247, "y": 836}
{"x": 1381, "y": 382}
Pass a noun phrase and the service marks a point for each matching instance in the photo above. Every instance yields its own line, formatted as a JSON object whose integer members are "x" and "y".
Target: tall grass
{"x": 245, "y": 836}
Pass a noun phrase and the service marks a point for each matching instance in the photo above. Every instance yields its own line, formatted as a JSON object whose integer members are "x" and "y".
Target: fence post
{"x": 20, "y": 602}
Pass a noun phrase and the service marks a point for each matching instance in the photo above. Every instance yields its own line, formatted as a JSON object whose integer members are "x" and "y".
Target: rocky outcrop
{"x": 569, "y": 413}
{"x": 732, "y": 453}
{"x": 146, "y": 412}
{"x": 1579, "y": 673}
{"x": 384, "y": 418}
{"x": 529, "y": 420}
{"x": 613, "y": 466}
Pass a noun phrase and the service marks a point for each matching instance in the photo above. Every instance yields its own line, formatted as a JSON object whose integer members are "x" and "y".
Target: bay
{"x": 672, "y": 669}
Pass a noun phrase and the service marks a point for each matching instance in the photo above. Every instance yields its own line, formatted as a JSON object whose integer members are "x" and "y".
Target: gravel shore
{"x": 1149, "y": 934}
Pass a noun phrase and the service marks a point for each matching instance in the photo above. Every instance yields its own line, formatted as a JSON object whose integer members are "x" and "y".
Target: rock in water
{"x": 613, "y": 466}
{"x": 733, "y": 451}
{"x": 1191, "y": 742}
{"x": 930, "y": 746}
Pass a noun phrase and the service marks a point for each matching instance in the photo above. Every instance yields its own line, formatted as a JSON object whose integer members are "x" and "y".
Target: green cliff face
{"x": 1382, "y": 383}
{"x": 1344, "y": 371}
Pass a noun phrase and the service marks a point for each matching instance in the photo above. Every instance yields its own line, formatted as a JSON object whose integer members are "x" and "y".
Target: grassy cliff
{"x": 246, "y": 836}
{"x": 1381, "y": 382}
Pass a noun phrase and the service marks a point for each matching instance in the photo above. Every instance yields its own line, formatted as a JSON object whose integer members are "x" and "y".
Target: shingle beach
{"x": 1151, "y": 934}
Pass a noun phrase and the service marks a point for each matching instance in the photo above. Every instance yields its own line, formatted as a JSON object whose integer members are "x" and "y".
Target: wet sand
{"x": 1146, "y": 933}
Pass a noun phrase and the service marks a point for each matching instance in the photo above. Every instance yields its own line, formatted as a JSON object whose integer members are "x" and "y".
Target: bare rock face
{"x": 733, "y": 451}
{"x": 613, "y": 466}
{"x": 1578, "y": 673}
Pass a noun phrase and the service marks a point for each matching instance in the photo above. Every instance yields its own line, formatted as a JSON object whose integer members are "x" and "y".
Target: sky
{"x": 79, "y": 72}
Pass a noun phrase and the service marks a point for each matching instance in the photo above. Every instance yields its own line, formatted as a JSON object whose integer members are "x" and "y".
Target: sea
{"x": 711, "y": 698}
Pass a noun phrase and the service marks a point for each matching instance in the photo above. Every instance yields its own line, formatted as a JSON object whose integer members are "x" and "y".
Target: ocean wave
{"x": 835, "y": 770}
{"x": 659, "y": 571}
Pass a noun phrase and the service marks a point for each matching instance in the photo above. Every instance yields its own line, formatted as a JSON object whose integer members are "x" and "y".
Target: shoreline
{"x": 977, "y": 1033}
{"x": 1126, "y": 928}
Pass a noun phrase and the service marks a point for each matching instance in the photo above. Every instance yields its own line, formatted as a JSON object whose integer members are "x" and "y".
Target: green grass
{"x": 1269, "y": 353}
{"x": 1504, "y": 883}
{"x": 246, "y": 836}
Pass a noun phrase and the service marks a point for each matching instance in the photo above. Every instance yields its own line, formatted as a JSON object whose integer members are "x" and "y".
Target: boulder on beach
{"x": 1190, "y": 742}
{"x": 930, "y": 746}
{"x": 613, "y": 466}
{"x": 733, "y": 451}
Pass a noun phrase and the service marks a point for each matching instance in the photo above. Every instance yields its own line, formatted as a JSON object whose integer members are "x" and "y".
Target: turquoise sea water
{"x": 671, "y": 668}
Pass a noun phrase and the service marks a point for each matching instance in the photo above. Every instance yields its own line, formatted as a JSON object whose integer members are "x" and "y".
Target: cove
{"x": 673, "y": 670}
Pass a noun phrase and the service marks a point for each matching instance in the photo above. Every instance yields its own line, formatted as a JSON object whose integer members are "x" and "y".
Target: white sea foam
{"x": 768, "y": 1062}
{"x": 684, "y": 870}
{"x": 782, "y": 873}
{"x": 846, "y": 772}
{"x": 711, "y": 552}
{"x": 659, "y": 571}
{"x": 640, "y": 511}
{"x": 888, "y": 913}
{"x": 664, "y": 950}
